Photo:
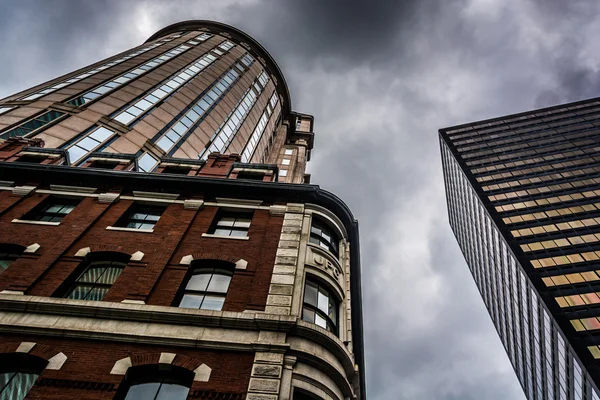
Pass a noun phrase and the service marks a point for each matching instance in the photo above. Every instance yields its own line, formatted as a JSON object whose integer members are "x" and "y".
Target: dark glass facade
{"x": 523, "y": 194}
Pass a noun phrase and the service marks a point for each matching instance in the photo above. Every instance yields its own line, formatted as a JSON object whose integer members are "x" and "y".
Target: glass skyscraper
{"x": 523, "y": 194}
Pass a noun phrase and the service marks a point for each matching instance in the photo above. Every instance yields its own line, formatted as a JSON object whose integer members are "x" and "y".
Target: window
{"x": 155, "y": 382}
{"x": 322, "y": 235}
{"x": 9, "y": 254}
{"x": 289, "y": 152}
{"x": 33, "y": 124}
{"x": 96, "y": 280}
{"x": 53, "y": 209}
{"x": 320, "y": 307}
{"x": 232, "y": 224}
{"x": 206, "y": 288}
{"x": 18, "y": 373}
{"x": 254, "y": 176}
{"x": 146, "y": 163}
{"x": 226, "y": 132}
{"x": 141, "y": 216}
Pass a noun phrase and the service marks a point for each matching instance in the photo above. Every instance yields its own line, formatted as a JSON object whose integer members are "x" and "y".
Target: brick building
{"x": 159, "y": 237}
{"x": 522, "y": 194}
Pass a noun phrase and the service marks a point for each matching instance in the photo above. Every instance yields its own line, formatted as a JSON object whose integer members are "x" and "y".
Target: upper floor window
{"x": 323, "y": 235}
{"x": 206, "y": 288}
{"x": 320, "y": 306}
{"x": 18, "y": 373}
{"x": 100, "y": 271}
{"x": 156, "y": 382}
{"x": 141, "y": 216}
{"x": 9, "y": 254}
{"x": 53, "y": 209}
{"x": 230, "y": 223}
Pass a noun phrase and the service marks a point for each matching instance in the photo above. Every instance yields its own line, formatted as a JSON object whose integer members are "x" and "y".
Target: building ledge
{"x": 25, "y": 221}
{"x": 225, "y": 237}
{"x": 120, "y": 228}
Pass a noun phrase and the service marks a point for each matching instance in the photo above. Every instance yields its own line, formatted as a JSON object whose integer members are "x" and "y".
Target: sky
{"x": 380, "y": 77}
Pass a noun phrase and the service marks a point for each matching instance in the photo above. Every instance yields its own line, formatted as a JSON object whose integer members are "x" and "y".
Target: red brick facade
{"x": 86, "y": 372}
{"x": 158, "y": 276}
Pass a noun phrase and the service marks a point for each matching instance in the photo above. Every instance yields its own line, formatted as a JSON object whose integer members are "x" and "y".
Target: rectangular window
{"x": 124, "y": 78}
{"x": 33, "y": 124}
{"x": 230, "y": 223}
{"x": 162, "y": 91}
{"x": 173, "y": 135}
{"x": 91, "y": 141}
{"x": 222, "y": 137}
{"x": 77, "y": 78}
{"x": 95, "y": 281}
{"x": 146, "y": 163}
{"x": 53, "y": 209}
{"x": 141, "y": 216}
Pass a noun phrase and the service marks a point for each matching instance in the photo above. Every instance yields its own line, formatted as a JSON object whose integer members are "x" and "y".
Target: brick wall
{"x": 157, "y": 277}
{"x": 86, "y": 372}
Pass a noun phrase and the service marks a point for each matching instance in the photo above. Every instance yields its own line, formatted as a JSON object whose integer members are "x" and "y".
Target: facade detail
{"x": 160, "y": 238}
{"x": 522, "y": 193}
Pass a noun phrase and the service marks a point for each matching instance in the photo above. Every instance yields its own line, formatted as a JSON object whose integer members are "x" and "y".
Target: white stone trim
{"x": 241, "y": 264}
{"x": 202, "y": 373}
{"x": 129, "y": 301}
{"x": 152, "y": 200}
{"x": 119, "y": 228}
{"x": 186, "y": 260}
{"x": 22, "y": 190}
{"x": 24, "y": 221}
{"x": 166, "y": 358}
{"x": 225, "y": 237}
{"x": 66, "y": 193}
{"x": 137, "y": 256}
{"x": 277, "y": 210}
{"x": 76, "y": 189}
{"x": 25, "y": 347}
{"x": 32, "y": 248}
{"x": 13, "y": 292}
{"x": 192, "y": 204}
{"x": 84, "y": 251}
{"x": 224, "y": 201}
{"x": 121, "y": 366}
{"x": 56, "y": 362}
{"x": 6, "y": 185}
{"x": 156, "y": 195}
{"x": 108, "y": 198}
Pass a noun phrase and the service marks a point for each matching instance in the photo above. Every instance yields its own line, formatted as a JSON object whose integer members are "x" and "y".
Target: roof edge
{"x": 191, "y": 25}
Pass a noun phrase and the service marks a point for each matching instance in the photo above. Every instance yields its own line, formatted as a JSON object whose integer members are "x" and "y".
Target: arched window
{"x": 302, "y": 395}
{"x": 324, "y": 236}
{"x": 8, "y": 254}
{"x": 96, "y": 276}
{"x": 320, "y": 306}
{"x": 18, "y": 373}
{"x": 155, "y": 382}
{"x": 207, "y": 286}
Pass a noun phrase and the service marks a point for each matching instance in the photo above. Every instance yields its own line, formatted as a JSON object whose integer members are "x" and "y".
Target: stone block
{"x": 264, "y": 385}
{"x": 281, "y": 289}
{"x": 279, "y": 300}
{"x": 276, "y": 358}
{"x": 266, "y": 370}
{"x": 282, "y": 279}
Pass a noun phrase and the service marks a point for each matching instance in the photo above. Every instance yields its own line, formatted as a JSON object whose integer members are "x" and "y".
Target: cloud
{"x": 381, "y": 77}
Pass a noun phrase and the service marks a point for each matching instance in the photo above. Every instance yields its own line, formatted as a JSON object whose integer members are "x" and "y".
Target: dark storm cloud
{"x": 380, "y": 77}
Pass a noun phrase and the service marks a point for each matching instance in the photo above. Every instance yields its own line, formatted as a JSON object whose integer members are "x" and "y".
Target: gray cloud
{"x": 380, "y": 77}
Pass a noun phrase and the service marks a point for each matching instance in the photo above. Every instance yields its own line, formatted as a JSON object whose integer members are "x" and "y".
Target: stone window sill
{"x": 225, "y": 237}
{"x": 118, "y": 228}
{"x": 23, "y": 221}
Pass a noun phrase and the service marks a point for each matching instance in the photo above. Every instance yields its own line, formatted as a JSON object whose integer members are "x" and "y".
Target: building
{"x": 523, "y": 199}
{"x": 159, "y": 237}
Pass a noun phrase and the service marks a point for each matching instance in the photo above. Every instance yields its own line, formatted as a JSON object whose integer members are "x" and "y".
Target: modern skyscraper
{"x": 523, "y": 199}
{"x": 159, "y": 237}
